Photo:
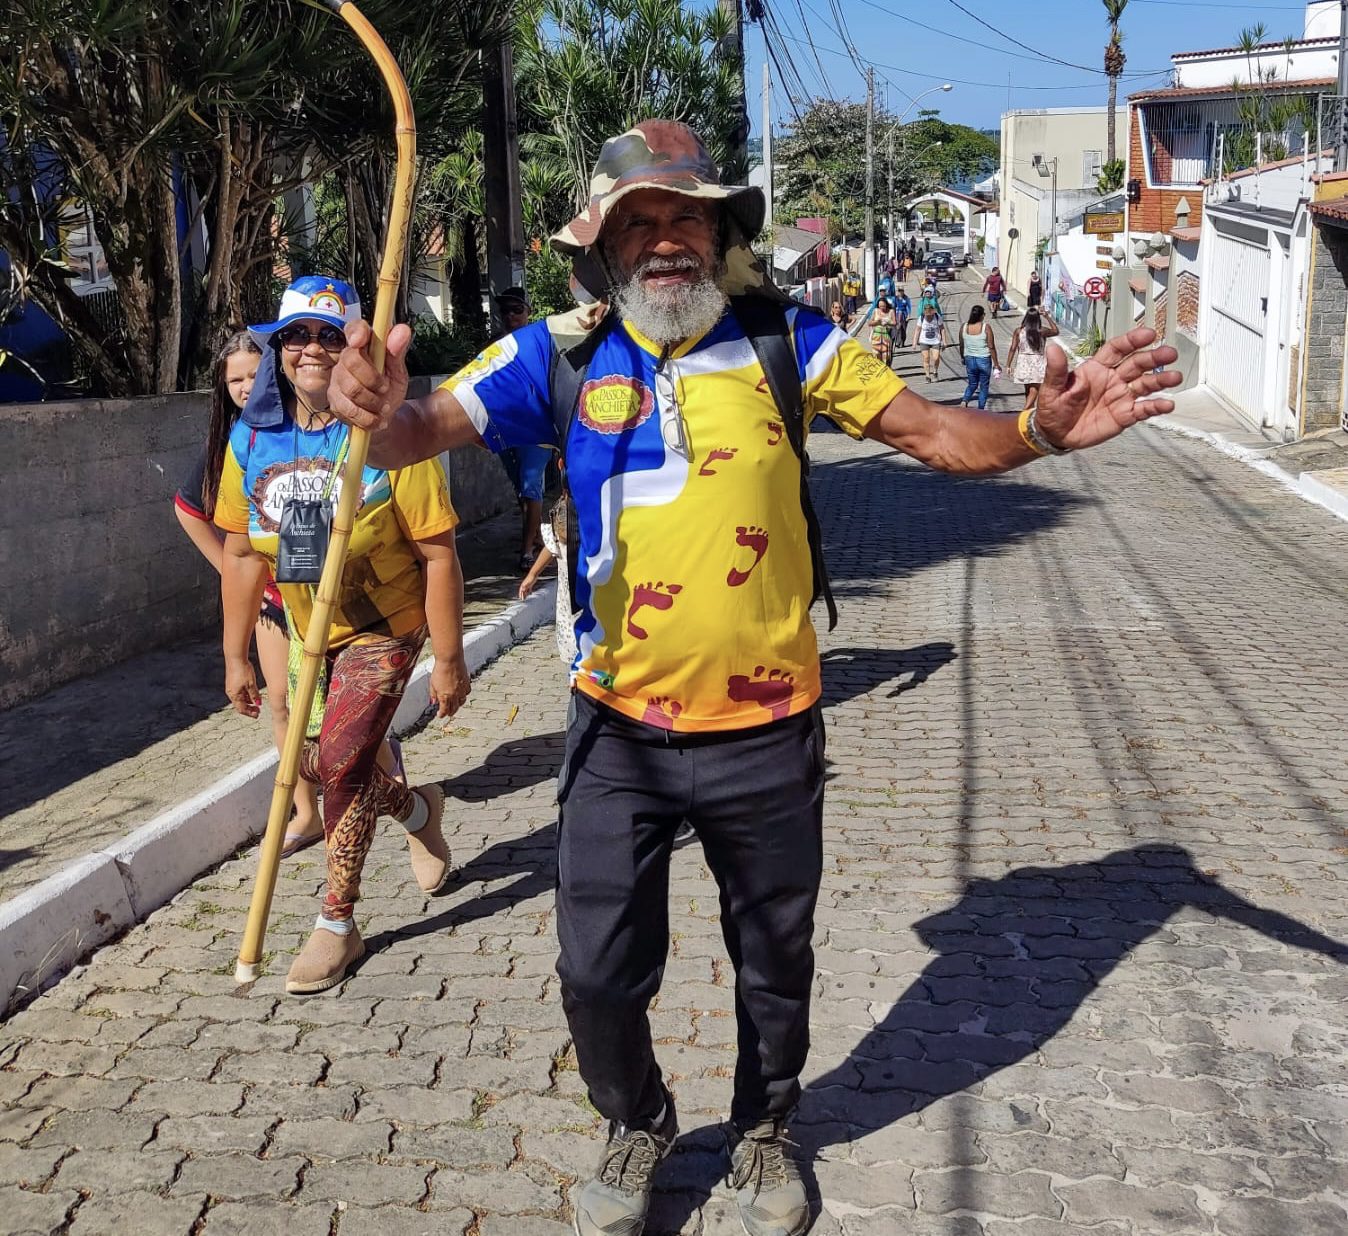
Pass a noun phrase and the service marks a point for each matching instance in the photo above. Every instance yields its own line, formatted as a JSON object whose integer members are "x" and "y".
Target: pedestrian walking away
{"x": 1027, "y": 358}
{"x": 994, "y": 288}
{"x": 234, "y": 371}
{"x": 978, "y": 347}
{"x": 278, "y": 484}
{"x": 1034, "y": 292}
{"x": 691, "y": 522}
{"x": 903, "y": 310}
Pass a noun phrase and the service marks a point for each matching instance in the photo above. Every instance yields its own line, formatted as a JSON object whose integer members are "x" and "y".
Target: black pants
{"x": 755, "y": 799}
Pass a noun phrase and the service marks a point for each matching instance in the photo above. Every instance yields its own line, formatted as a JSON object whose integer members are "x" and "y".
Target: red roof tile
{"x": 1192, "y": 92}
{"x": 1222, "y": 51}
{"x": 1335, "y": 208}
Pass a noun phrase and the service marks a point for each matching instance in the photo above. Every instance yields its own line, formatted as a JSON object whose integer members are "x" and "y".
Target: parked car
{"x": 941, "y": 264}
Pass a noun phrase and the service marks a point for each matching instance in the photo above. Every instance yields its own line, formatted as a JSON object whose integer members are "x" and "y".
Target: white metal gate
{"x": 1235, "y": 360}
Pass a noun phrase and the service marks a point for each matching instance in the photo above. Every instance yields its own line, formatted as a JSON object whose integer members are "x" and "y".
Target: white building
{"x": 1051, "y": 157}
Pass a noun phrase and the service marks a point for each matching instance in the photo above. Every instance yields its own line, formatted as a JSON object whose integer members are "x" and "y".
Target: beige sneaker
{"x": 426, "y": 847}
{"x": 324, "y": 961}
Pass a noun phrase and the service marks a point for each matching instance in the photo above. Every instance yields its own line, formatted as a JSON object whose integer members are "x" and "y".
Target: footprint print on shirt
{"x": 752, "y": 538}
{"x": 773, "y": 692}
{"x": 662, "y": 712}
{"x": 655, "y": 596}
{"x": 715, "y": 456}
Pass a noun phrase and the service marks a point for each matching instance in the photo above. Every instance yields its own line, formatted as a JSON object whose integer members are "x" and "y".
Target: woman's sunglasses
{"x": 297, "y": 338}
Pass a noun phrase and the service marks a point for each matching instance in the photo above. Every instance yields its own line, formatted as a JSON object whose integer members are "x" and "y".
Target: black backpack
{"x": 764, "y": 324}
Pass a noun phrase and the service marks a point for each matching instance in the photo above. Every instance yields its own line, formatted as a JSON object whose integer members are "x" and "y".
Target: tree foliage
{"x": 820, "y": 162}
{"x": 1114, "y": 62}
{"x": 136, "y": 108}
{"x": 586, "y": 70}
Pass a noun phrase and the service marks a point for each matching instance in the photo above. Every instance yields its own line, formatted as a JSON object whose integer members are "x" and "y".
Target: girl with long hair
{"x": 1028, "y": 359}
{"x": 232, "y": 377}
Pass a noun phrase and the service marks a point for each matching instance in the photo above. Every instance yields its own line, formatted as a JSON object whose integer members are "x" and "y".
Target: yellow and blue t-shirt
{"x": 382, "y": 590}
{"x": 694, "y": 577}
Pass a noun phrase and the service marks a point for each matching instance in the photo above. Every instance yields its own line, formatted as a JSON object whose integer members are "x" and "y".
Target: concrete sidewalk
{"x": 85, "y": 764}
{"x": 1315, "y": 469}
{"x": 127, "y": 814}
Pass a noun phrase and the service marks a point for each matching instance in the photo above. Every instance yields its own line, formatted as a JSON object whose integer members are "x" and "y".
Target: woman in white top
{"x": 928, "y": 339}
{"x": 1028, "y": 360}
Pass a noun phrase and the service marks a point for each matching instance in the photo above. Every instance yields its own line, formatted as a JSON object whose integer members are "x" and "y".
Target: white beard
{"x": 671, "y": 314}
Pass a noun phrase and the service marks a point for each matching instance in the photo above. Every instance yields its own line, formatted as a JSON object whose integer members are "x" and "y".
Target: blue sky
{"x": 916, "y": 44}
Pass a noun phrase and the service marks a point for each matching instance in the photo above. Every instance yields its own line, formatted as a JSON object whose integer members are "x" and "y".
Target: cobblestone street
{"x": 1082, "y": 942}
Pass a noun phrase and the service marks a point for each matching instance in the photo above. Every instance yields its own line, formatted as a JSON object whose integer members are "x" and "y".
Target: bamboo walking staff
{"x": 325, "y": 602}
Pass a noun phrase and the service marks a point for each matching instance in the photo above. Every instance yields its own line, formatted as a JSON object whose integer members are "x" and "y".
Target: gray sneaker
{"x": 767, "y": 1183}
{"x": 615, "y": 1201}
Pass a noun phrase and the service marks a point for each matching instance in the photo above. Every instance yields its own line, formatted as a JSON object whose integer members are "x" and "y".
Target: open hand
{"x": 1106, "y": 394}
{"x": 358, "y": 393}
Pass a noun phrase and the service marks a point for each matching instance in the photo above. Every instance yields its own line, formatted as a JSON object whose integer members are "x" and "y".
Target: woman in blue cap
{"x": 279, "y": 483}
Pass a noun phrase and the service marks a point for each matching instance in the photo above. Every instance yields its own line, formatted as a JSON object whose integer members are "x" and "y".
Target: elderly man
{"x": 695, "y": 690}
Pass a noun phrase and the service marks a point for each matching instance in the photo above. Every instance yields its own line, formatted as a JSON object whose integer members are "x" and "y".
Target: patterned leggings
{"x": 366, "y": 681}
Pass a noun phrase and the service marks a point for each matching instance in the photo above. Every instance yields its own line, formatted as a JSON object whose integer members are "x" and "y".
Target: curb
{"x": 1305, "y": 485}
{"x": 55, "y": 924}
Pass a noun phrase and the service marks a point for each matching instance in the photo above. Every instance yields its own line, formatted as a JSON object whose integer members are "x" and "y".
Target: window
{"x": 1092, "y": 162}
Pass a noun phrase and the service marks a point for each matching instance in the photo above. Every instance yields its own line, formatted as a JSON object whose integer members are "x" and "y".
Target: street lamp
{"x": 944, "y": 88}
{"x": 868, "y": 262}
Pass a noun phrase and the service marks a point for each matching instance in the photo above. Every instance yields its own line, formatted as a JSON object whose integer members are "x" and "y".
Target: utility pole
{"x": 868, "y": 257}
{"x": 767, "y": 141}
{"x": 890, "y": 228}
{"x": 1341, "y": 145}
{"x": 501, "y": 177}
{"x": 1053, "y": 204}
{"x": 733, "y": 45}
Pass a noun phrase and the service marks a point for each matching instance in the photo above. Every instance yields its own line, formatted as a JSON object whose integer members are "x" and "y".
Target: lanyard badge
{"x": 306, "y": 527}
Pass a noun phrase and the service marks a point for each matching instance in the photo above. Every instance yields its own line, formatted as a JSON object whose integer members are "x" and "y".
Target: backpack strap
{"x": 566, "y": 377}
{"x": 764, "y": 323}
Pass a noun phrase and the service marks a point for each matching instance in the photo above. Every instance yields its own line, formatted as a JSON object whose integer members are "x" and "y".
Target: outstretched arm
{"x": 402, "y": 431}
{"x": 1078, "y": 408}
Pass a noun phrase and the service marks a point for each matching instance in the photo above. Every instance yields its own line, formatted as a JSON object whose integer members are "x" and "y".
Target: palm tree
{"x": 1114, "y": 62}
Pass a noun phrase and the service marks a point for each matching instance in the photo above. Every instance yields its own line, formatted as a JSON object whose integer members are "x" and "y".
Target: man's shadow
{"x": 1016, "y": 958}
{"x": 851, "y": 672}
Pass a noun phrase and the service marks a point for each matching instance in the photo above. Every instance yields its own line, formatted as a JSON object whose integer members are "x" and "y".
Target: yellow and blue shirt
{"x": 382, "y": 590}
{"x": 694, "y": 577}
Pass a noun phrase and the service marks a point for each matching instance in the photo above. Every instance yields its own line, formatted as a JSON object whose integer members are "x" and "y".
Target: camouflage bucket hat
{"x": 664, "y": 154}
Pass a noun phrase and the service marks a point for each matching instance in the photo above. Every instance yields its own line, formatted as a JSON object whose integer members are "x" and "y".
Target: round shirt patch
{"x": 615, "y": 404}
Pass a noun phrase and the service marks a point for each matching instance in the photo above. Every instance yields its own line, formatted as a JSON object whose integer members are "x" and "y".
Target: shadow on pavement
{"x": 514, "y": 765}
{"x": 850, "y": 672}
{"x": 874, "y": 536}
{"x": 1015, "y": 958}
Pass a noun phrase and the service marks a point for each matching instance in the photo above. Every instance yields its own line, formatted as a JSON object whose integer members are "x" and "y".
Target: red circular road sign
{"x": 1095, "y": 288}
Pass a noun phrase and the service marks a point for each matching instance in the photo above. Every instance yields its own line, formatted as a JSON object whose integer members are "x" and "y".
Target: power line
{"x": 940, "y": 77}
{"x": 1085, "y": 68}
